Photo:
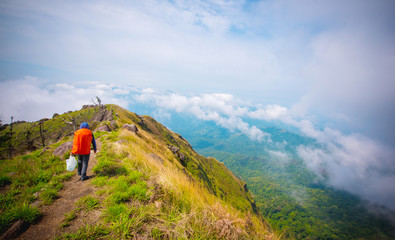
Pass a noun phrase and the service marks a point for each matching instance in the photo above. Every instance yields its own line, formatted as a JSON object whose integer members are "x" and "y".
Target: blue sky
{"x": 332, "y": 59}
{"x": 324, "y": 67}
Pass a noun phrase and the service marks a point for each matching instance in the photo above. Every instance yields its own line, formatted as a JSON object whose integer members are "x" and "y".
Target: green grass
{"x": 54, "y": 129}
{"x": 7, "y": 199}
{"x": 134, "y": 176}
{"x": 24, "y": 212}
{"x": 113, "y": 211}
{"x": 131, "y": 221}
{"x": 122, "y": 190}
{"x": 99, "y": 181}
{"x": 25, "y": 175}
{"x": 5, "y": 180}
{"x": 48, "y": 196}
{"x": 87, "y": 232}
{"x": 107, "y": 166}
{"x": 88, "y": 203}
{"x": 20, "y": 212}
{"x": 69, "y": 217}
{"x": 63, "y": 177}
{"x": 99, "y": 134}
{"x": 157, "y": 233}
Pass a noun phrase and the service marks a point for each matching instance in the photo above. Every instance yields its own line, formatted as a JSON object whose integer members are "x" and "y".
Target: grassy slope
{"x": 53, "y": 130}
{"x": 292, "y": 202}
{"x": 143, "y": 188}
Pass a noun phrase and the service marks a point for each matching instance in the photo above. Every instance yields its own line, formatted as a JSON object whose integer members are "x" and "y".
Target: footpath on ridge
{"x": 53, "y": 215}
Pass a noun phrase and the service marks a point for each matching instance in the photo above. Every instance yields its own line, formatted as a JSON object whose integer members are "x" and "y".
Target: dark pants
{"x": 83, "y": 161}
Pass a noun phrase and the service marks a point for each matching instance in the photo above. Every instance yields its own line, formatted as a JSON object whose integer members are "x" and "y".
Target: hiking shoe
{"x": 85, "y": 178}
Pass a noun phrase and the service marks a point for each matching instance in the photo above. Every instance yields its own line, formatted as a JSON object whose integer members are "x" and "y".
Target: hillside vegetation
{"x": 150, "y": 184}
{"x": 293, "y": 202}
{"x": 290, "y": 196}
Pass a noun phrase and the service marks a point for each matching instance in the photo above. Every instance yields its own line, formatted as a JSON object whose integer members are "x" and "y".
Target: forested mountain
{"x": 290, "y": 196}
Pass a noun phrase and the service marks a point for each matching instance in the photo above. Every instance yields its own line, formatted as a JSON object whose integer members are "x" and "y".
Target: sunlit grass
{"x": 88, "y": 203}
{"x": 185, "y": 205}
{"x": 87, "y": 232}
{"x": 28, "y": 178}
{"x": 23, "y": 212}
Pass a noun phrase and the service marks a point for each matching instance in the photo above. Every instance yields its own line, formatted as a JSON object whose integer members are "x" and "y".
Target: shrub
{"x": 26, "y": 213}
{"x": 5, "y": 180}
{"x": 49, "y": 195}
{"x": 23, "y": 212}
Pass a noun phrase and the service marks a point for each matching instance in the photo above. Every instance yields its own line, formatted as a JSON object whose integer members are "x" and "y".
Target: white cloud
{"x": 354, "y": 163}
{"x": 220, "y": 108}
{"x": 42, "y": 99}
{"x": 351, "y": 162}
{"x": 64, "y": 86}
{"x": 282, "y": 158}
{"x": 120, "y": 91}
{"x": 269, "y": 112}
{"x": 279, "y": 155}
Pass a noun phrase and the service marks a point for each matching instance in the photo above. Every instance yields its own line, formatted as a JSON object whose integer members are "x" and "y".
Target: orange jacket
{"x": 82, "y": 141}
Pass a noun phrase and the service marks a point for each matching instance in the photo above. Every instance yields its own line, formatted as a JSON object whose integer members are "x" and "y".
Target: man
{"x": 82, "y": 147}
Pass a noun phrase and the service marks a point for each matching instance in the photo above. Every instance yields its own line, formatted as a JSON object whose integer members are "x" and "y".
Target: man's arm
{"x": 94, "y": 143}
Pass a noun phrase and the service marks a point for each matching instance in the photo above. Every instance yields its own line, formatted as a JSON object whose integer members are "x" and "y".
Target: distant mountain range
{"x": 289, "y": 195}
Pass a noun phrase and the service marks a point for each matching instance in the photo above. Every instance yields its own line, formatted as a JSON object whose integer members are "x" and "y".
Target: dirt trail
{"x": 53, "y": 215}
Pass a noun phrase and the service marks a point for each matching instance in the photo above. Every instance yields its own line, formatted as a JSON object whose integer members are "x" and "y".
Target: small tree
{"x": 10, "y": 147}
{"x": 98, "y": 100}
{"x": 41, "y": 123}
{"x": 94, "y": 102}
{"x": 28, "y": 137}
{"x": 97, "y": 103}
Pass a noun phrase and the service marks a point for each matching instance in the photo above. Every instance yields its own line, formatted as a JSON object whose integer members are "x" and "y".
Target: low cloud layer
{"x": 31, "y": 99}
{"x": 219, "y": 108}
{"x": 352, "y": 162}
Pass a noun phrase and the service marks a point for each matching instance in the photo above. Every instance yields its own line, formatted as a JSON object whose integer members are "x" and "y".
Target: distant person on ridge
{"x": 82, "y": 147}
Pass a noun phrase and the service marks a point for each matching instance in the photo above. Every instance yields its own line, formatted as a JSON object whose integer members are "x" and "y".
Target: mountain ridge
{"x": 155, "y": 172}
